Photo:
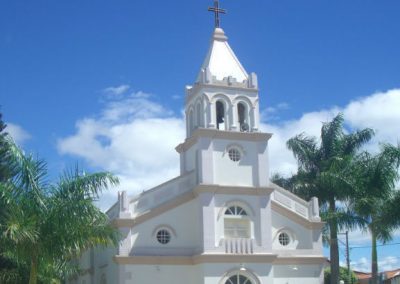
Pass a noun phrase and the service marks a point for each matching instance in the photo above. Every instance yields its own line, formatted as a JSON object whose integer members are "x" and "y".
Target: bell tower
{"x": 223, "y": 144}
{"x": 224, "y": 96}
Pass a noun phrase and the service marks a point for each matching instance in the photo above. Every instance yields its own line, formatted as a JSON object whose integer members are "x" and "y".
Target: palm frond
{"x": 304, "y": 150}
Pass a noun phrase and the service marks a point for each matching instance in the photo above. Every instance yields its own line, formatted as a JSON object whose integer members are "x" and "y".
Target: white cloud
{"x": 379, "y": 111}
{"x": 363, "y": 264}
{"x": 281, "y": 159}
{"x": 270, "y": 113}
{"x": 388, "y": 263}
{"x": 116, "y": 91}
{"x": 19, "y": 134}
{"x": 133, "y": 138}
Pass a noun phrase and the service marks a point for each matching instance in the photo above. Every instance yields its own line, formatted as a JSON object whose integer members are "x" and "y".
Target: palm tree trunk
{"x": 334, "y": 248}
{"x": 374, "y": 259}
{"x": 34, "y": 267}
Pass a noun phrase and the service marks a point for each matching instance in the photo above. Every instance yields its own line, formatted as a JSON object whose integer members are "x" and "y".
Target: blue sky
{"x": 101, "y": 83}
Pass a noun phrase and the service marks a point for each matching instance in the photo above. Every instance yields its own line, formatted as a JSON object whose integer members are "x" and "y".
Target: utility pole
{"x": 348, "y": 257}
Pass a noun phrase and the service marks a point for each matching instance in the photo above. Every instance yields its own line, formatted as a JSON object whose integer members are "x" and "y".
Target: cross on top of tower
{"x": 217, "y": 11}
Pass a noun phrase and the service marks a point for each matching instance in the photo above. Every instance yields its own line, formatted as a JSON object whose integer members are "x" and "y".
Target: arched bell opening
{"x": 221, "y": 115}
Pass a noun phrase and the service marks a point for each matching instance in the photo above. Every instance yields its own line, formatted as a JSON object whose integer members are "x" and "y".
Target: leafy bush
{"x": 343, "y": 275}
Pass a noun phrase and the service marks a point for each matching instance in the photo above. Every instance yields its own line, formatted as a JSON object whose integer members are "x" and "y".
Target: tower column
{"x": 254, "y": 119}
{"x": 212, "y": 115}
{"x": 234, "y": 117}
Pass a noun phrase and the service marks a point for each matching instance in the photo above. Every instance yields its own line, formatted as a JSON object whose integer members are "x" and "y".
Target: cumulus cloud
{"x": 19, "y": 134}
{"x": 379, "y": 111}
{"x": 116, "y": 91}
{"x": 132, "y": 137}
{"x": 270, "y": 113}
{"x": 363, "y": 264}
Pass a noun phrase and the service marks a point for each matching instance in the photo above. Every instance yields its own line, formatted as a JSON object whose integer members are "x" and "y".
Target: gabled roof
{"x": 221, "y": 61}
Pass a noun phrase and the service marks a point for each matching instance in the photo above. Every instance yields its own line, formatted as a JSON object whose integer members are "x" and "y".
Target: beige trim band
{"x": 221, "y": 134}
{"x": 275, "y": 206}
{"x": 217, "y": 258}
{"x": 240, "y": 190}
{"x": 130, "y": 222}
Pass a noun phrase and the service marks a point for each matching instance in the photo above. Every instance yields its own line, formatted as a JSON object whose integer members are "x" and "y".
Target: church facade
{"x": 221, "y": 221}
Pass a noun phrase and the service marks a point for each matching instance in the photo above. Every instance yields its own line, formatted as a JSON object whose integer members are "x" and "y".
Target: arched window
{"x": 199, "y": 115}
{"x": 103, "y": 279}
{"x": 191, "y": 122}
{"x": 239, "y": 278}
{"x": 220, "y": 111}
{"x": 242, "y": 116}
{"x": 236, "y": 223}
{"x": 235, "y": 210}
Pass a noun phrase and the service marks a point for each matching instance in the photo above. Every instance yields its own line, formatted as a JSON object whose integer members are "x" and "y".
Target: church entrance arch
{"x": 241, "y": 276}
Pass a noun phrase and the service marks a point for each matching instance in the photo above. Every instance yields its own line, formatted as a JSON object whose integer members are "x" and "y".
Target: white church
{"x": 221, "y": 221}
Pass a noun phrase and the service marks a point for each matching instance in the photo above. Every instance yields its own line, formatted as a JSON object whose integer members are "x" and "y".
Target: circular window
{"x": 284, "y": 239}
{"x": 163, "y": 236}
{"x": 234, "y": 154}
{"x": 238, "y": 279}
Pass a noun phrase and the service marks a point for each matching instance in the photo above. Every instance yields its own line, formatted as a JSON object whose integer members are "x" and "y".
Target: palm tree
{"x": 375, "y": 199}
{"x": 46, "y": 225}
{"x": 323, "y": 172}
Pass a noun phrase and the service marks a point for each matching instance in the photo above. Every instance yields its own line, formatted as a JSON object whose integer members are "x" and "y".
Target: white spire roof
{"x": 221, "y": 61}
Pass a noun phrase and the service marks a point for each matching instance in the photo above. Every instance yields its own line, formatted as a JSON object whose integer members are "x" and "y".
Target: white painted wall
{"x": 298, "y": 274}
{"x": 163, "y": 274}
{"x": 184, "y": 220}
{"x": 302, "y": 236}
{"x": 217, "y": 168}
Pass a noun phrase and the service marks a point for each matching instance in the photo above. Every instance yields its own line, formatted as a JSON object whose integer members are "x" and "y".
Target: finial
{"x": 217, "y": 11}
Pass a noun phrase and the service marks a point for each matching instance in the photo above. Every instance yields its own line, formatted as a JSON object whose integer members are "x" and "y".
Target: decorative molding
{"x": 218, "y": 258}
{"x": 130, "y": 222}
{"x": 299, "y": 260}
{"x": 275, "y": 206}
{"x": 186, "y": 197}
{"x": 240, "y": 190}
{"x": 192, "y": 91}
{"x": 221, "y": 134}
{"x": 195, "y": 259}
{"x": 163, "y": 226}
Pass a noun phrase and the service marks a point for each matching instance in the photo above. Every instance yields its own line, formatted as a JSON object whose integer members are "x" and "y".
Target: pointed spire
{"x": 221, "y": 62}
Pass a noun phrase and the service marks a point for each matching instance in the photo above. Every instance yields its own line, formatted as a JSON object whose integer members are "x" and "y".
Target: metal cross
{"x": 216, "y": 11}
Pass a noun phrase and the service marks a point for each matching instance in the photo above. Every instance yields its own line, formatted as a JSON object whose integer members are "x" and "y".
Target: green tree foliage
{"x": 323, "y": 171}
{"x": 44, "y": 225}
{"x": 343, "y": 275}
{"x": 376, "y": 198}
{"x": 4, "y": 169}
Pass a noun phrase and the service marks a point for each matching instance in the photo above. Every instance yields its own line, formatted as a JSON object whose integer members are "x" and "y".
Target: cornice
{"x": 195, "y": 89}
{"x": 130, "y": 222}
{"x": 221, "y": 134}
{"x": 218, "y": 258}
{"x": 275, "y": 206}
{"x": 240, "y": 190}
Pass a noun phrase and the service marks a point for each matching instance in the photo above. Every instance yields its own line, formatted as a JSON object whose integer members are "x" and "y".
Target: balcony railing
{"x": 238, "y": 245}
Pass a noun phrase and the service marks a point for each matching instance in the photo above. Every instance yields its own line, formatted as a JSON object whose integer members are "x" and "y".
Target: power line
{"x": 381, "y": 245}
